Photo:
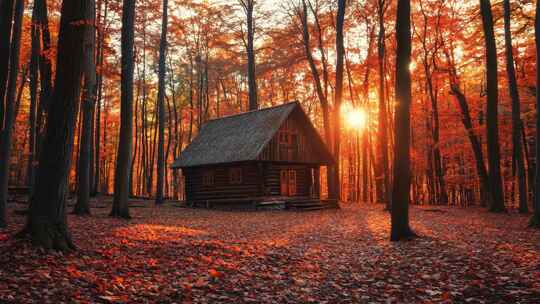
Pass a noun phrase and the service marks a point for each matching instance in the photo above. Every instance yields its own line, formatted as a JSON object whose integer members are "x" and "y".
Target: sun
{"x": 356, "y": 118}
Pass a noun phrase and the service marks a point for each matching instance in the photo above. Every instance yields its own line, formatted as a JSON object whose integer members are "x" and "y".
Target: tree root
{"x": 534, "y": 222}
{"x": 408, "y": 235}
{"x": 48, "y": 235}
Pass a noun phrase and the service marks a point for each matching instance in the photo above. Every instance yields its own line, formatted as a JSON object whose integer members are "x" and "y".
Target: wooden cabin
{"x": 259, "y": 157}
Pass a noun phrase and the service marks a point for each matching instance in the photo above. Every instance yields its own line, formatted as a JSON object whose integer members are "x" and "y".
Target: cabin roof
{"x": 242, "y": 137}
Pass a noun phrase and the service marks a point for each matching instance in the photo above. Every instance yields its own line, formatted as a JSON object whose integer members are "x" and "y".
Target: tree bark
{"x": 6, "y": 133}
{"x": 82, "y": 207}
{"x": 252, "y": 81}
{"x": 161, "y": 106}
{"x": 340, "y": 54}
{"x": 47, "y": 223}
{"x": 535, "y": 219}
{"x": 382, "y": 182}
{"x": 321, "y": 94}
{"x": 400, "y": 229}
{"x": 517, "y": 152}
{"x": 99, "y": 79}
{"x": 492, "y": 124}
{"x": 6, "y": 18}
{"x": 325, "y": 79}
{"x": 34, "y": 78}
{"x": 440, "y": 195}
{"x": 473, "y": 139}
{"x": 121, "y": 177}
{"x": 45, "y": 72}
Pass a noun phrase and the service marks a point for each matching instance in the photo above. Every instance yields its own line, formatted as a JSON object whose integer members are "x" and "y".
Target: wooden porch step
{"x": 310, "y": 205}
{"x": 306, "y": 205}
{"x": 270, "y": 203}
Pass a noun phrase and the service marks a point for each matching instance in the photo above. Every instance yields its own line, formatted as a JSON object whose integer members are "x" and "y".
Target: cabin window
{"x": 208, "y": 178}
{"x": 284, "y": 137}
{"x": 288, "y": 145}
{"x": 235, "y": 175}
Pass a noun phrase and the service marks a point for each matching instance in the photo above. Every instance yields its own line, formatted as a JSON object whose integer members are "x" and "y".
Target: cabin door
{"x": 292, "y": 182}
{"x": 288, "y": 182}
{"x": 284, "y": 182}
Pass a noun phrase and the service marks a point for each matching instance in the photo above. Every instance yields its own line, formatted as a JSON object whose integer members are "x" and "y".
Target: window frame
{"x": 236, "y": 176}
{"x": 208, "y": 178}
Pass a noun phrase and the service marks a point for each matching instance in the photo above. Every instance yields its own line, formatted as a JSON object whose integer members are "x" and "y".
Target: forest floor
{"x": 177, "y": 255}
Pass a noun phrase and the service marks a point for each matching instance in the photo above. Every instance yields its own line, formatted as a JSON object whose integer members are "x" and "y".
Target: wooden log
{"x": 317, "y": 178}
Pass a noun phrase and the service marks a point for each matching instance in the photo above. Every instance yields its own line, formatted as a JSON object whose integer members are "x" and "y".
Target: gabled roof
{"x": 242, "y": 137}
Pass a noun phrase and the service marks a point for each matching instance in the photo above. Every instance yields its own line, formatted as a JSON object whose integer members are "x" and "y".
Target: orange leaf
{"x": 214, "y": 273}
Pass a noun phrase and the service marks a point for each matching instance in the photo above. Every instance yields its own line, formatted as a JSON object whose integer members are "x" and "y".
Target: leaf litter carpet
{"x": 177, "y": 255}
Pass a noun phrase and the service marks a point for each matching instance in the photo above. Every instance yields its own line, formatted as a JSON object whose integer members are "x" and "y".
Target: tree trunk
{"x": 121, "y": 177}
{"x": 105, "y": 185}
{"x": 516, "y": 114}
{"x": 340, "y": 52}
{"x": 47, "y": 222}
{"x": 34, "y": 78}
{"x": 161, "y": 106}
{"x": 99, "y": 80}
{"x": 474, "y": 140}
{"x": 382, "y": 182}
{"x": 82, "y": 207}
{"x": 45, "y": 72}
{"x": 495, "y": 181}
{"x": 440, "y": 189}
{"x": 400, "y": 191}
{"x": 190, "y": 93}
{"x": 252, "y": 81}
{"x": 321, "y": 94}
{"x": 6, "y": 133}
{"x": 535, "y": 219}
{"x": 6, "y": 18}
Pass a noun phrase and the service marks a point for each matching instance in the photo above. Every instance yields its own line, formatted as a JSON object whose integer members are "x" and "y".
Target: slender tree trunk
{"x": 144, "y": 120}
{"x": 428, "y": 57}
{"x": 400, "y": 191}
{"x": 340, "y": 54}
{"x": 517, "y": 152}
{"x": 47, "y": 222}
{"x": 441, "y": 195}
{"x": 45, "y": 72}
{"x": 190, "y": 93}
{"x": 382, "y": 183}
{"x": 99, "y": 80}
{"x": 161, "y": 106}
{"x": 474, "y": 140}
{"x": 6, "y": 133}
{"x": 152, "y": 157}
{"x": 495, "y": 180}
{"x": 535, "y": 219}
{"x": 121, "y": 177}
{"x": 530, "y": 164}
{"x": 315, "y": 74}
{"x": 82, "y": 207}
{"x": 6, "y": 18}
{"x": 325, "y": 107}
{"x": 105, "y": 184}
{"x": 134, "y": 176}
{"x": 430, "y": 177}
{"x": 168, "y": 149}
{"x": 34, "y": 78}
{"x": 252, "y": 81}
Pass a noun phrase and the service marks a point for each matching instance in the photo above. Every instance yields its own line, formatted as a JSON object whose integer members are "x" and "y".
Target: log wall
{"x": 258, "y": 180}
{"x": 222, "y": 188}
{"x": 299, "y": 150}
